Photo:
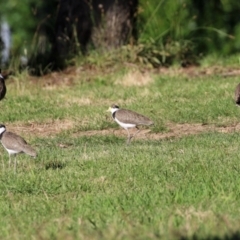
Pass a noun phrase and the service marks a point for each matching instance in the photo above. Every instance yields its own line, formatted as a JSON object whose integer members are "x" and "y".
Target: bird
{"x": 14, "y": 144}
{"x": 3, "y": 88}
{"x": 129, "y": 119}
{"x": 237, "y": 95}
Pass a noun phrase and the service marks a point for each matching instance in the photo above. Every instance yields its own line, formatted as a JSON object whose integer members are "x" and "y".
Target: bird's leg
{"x": 129, "y": 137}
{"x": 9, "y": 160}
{"x": 15, "y": 163}
{"x": 3, "y": 165}
{"x": 138, "y": 130}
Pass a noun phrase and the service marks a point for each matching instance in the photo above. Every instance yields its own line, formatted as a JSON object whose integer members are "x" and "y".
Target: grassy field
{"x": 87, "y": 184}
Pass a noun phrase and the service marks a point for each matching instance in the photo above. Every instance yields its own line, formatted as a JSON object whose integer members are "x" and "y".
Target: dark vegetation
{"x": 52, "y": 34}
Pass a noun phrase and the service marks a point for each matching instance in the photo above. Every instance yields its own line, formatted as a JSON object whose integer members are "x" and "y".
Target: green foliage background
{"x": 210, "y": 26}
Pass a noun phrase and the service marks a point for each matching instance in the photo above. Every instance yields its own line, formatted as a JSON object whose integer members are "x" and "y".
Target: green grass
{"x": 207, "y": 99}
{"x": 98, "y": 188}
{"x": 105, "y": 190}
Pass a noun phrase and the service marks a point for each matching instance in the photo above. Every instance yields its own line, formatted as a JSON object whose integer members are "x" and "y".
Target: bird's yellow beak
{"x": 109, "y": 109}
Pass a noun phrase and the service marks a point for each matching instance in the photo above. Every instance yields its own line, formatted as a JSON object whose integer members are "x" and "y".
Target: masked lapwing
{"x": 3, "y": 89}
{"x": 14, "y": 144}
{"x": 129, "y": 119}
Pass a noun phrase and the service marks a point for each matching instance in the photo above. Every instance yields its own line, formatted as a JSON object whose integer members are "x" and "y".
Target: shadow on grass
{"x": 234, "y": 236}
{"x": 55, "y": 165}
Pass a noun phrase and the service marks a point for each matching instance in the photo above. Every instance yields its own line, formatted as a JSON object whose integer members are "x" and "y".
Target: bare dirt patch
{"x": 51, "y": 128}
{"x": 195, "y": 71}
{"x": 70, "y": 75}
{"x": 135, "y": 76}
{"x": 174, "y": 131}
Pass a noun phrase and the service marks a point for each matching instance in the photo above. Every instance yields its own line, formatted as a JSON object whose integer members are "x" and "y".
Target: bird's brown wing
{"x": 14, "y": 141}
{"x": 128, "y": 116}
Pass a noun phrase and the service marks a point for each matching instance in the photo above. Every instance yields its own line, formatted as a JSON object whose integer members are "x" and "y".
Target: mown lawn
{"x": 96, "y": 187}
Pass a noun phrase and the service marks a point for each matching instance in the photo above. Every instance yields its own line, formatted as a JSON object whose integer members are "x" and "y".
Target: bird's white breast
{"x": 125, "y": 125}
{"x": 10, "y": 151}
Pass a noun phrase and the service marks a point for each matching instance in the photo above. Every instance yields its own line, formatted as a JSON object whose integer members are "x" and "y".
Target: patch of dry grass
{"x": 135, "y": 78}
{"x": 54, "y": 127}
{"x": 43, "y": 129}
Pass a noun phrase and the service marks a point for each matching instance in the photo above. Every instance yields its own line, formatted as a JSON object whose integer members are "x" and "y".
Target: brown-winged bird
{"x": 129, "y": 119}
{"x": 14, "y": 144}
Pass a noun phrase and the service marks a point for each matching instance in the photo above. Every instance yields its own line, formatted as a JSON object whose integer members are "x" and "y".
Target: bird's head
{"x": 113, "y": 108}
{"x": 2, "y": 128}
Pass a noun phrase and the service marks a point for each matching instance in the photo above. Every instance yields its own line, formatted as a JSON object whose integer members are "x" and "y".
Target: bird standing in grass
{"x": 3, "y": 89}
{"x": 129, "y": 119}
{"x": 14, "y": 144}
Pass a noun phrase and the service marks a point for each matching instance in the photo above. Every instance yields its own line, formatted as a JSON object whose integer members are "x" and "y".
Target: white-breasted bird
{"x": 14, "y": 144}
{"x": 129, "y": 119}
